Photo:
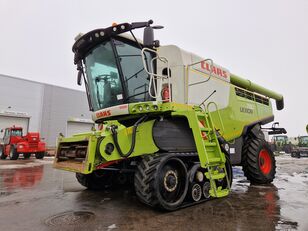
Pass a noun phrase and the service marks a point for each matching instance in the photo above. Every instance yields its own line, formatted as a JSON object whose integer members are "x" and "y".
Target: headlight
{"x": 20, "y": 146}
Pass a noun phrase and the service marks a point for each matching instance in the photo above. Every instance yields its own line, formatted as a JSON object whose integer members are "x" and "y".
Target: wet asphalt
{"x": 34, "y": 196}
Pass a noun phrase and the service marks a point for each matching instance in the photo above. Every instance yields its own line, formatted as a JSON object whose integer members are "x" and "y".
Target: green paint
{"x": 234, "y": 119}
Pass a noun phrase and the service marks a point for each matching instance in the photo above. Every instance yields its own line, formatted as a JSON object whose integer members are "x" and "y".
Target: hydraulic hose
{"x": 115, "y": 137}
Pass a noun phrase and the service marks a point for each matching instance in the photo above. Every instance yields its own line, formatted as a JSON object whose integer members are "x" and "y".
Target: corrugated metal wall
{"x": 59, "y": 105}
{"x": 49, "y": 107}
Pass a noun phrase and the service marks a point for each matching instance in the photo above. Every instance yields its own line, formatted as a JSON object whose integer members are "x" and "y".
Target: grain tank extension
{"x": 170, "y": 122}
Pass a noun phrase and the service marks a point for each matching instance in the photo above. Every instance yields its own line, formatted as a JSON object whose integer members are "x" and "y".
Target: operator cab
{"x": 113, "y": 65}
{"x": 280, "y": 138}
{"x": 115, "y": 74}
{"x": 11, "y": 132}
{"x": 303, "y": 141}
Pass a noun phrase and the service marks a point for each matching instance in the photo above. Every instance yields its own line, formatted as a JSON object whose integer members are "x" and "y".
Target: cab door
{"x": 7, "y": 136}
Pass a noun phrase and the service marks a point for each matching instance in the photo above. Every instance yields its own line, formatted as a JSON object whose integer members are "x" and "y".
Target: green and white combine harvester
{"x": 169, "y": 122}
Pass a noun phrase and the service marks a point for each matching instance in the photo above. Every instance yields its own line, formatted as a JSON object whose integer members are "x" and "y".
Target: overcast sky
{"x": 264, "y": 41}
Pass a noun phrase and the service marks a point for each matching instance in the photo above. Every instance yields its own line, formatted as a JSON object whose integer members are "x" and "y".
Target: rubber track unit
{"x": 94, "y": 182}
{"x": 250, "y": 161}
{"x": 145, "y": 176}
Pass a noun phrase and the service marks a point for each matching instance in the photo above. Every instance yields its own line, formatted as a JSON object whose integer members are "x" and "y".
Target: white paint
{"x": 9, "y": 121}
{"x": 110, "y": 111}
{"x": 74, "y": 127}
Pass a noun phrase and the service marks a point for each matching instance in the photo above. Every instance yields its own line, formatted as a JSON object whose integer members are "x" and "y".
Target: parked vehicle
{"x": 300, "y": 148}
{"x": 173, "y": 121}
{"x": 14, "y": 143}
{"x": 280, "y": 143}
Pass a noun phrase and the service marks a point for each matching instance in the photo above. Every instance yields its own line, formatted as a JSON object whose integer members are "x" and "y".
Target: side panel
{"x": 240, "y": 113}
{"x": 234, "y": 112}
{"x": 198, "y": 90}
{"x": 144, "y": 141}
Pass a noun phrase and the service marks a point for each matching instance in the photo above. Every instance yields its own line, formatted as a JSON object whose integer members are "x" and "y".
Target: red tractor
{"x": 14, "y": 143}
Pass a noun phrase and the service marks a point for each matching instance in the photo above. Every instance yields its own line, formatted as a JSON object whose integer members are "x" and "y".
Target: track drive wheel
{"x": 258, "y": 161}
{"x": 96, "y": 180}
{"x": 27, "y": 155}
{"x": 39, "y": 155}
{"x": 161, "y": 181}
{"x": 13, "y": 153}
{"x": 2, "y": 155}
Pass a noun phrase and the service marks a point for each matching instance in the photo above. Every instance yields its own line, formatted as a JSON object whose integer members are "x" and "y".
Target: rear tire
{"x": 287, "y": 148}
{"x": 258, "y": 161}
{"x": 161, "y": 181}
{"x": 13, "y": 153}
{"x": 27, "y": 155}
{"x": 39, "y": 155}
{"x": 2, "y": 155}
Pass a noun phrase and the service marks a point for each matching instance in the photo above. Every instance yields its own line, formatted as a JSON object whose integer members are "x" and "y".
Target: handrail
{"x": 209, "y": 76}
{"x": 219, "y": 116}
{"x": 156, "y": 76}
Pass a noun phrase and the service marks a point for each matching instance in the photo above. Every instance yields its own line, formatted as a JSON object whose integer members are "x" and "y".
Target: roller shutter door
{"x": 9, "y": 121}
{"x": 74, "y": 127}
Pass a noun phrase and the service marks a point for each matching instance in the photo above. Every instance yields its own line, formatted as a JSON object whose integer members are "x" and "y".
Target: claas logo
{"x": 102, "y": 114}
{"x": 215, "y": 70}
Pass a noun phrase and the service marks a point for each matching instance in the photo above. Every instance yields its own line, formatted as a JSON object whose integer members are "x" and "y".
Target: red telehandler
{"x": 14, "y": 143}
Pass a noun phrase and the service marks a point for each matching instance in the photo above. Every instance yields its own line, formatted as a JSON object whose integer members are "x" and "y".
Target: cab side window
{"x": 6, "y": 137}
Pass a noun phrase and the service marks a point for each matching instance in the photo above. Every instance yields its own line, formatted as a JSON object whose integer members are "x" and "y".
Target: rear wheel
{"x": 287, "y": 148}
{"x": 2, "y": 155}
{"x": 27, "y": 155}
{"x": 13, "y": 153}
{"x": 258, "y": 161}
{"x": 39, "y": 155}
{"x": 296, "y": 155}
{"x": 161, "y": 181}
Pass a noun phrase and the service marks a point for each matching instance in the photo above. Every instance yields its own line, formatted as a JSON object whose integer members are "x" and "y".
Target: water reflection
{"x": 256, "y": 208}
{"x": 11, "y": 179}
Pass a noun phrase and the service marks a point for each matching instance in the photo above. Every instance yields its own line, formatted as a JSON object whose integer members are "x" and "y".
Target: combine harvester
{"x": 172, "y": 122}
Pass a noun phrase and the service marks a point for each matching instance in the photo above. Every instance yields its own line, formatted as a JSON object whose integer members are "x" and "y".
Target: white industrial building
{"x": 41, "y": 107}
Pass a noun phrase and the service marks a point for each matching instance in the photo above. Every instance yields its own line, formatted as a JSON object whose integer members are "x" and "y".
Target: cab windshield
{"x": 116, "y": 75}
{"x": 303, "y": 140}
{"x": 281, "y": 138}
{"x": 16, "y": 132}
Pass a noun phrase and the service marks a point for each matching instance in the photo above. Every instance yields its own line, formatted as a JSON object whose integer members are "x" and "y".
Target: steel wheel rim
{"x": 175, "y": 189}
{"x": 206, "y": 189}
{"x": 196, "y": 192}
{"x": 265, "y": 161}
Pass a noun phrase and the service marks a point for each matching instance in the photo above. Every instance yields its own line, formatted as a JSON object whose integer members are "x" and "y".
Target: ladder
{"x": 209, "y": 152}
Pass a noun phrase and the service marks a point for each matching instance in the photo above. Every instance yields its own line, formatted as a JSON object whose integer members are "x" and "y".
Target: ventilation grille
{"x": 251, "y": 96}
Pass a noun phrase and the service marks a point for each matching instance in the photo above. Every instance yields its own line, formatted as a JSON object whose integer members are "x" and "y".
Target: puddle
{"x": 11, "y": 179}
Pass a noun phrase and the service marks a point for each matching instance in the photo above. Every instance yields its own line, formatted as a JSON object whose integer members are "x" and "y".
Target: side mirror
{"x": 148, "y": 36}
